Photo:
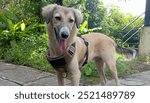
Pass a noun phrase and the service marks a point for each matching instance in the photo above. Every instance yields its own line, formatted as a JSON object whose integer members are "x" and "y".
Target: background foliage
{"x": 22, "y": 34}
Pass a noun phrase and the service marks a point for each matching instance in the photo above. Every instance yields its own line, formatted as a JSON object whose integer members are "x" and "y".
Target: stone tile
{"x": 23, "y": 74}
{"x": 143, "y": 77}
{"x": 47, "y": 81}
{"x": 7, "y": 83}
{"x": 6, "y": 66}
{"x": 110, "y": 83}
{"x": 123, "y": 82}
{"x": 133, "y": 83}
{"x": 13, "y": 75}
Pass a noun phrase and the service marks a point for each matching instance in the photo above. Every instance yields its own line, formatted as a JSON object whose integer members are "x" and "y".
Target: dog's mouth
{"x": 62, "y": 43}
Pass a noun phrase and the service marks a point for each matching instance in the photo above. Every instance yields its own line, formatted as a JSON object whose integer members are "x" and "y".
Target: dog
{"x": 67, "y": 52}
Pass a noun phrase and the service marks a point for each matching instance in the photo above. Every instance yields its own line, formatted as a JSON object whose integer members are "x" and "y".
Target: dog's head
{"x": 62, "y": 22}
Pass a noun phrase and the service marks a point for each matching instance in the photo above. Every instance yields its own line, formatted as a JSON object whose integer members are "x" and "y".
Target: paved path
{"x": 14, "y": 75}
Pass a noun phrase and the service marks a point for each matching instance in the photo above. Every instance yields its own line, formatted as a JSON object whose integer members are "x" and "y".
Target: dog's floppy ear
{"x": 78, "y": 17}
{"x": 47, "y": 12}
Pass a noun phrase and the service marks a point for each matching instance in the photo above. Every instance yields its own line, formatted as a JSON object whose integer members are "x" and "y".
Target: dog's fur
{"x": 101, "y": 47}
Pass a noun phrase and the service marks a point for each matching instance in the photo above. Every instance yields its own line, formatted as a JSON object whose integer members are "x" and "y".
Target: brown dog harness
{"x": 61, "y": 61}
{"x": 87, "y": 51}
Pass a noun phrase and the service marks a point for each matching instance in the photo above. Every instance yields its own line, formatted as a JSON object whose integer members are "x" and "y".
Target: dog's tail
{"x": 127, "y": 51}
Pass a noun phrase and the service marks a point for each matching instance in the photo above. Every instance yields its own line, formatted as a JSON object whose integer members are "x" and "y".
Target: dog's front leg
{"x": 60, "y": 78}
{"x": 75, "y": 78}
{"x": 74, "y": 72}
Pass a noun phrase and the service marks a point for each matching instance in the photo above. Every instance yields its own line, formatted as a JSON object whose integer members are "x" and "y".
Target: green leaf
{"x": 10, "y": 24}
{"x": 8, "y": 14}
{"x": 88, "y": 71}
{"x": 17, "y": 25}
{"x": 31, "y": 26}
{"x": 41, "y": 25}
{"x": 23, "y": 26}
{"x": 83, "y": 26}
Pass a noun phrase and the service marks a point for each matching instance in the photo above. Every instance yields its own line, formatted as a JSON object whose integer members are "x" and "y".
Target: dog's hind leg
{"x": 60, "y": 78}
{"x": 111, "y": 63}
{"x": 100, "y": 68}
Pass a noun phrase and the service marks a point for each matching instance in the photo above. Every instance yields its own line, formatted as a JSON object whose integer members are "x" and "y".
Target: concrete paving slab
{"x": 47, "y": 81}
{"x": 13, "y": 75}
{"x": 6, "y": 66}
{"x": 23, "y": 74}
{"x": 142, "y": 78}
{"x": 132, "y": 83}
{"x": 7, "y": 83}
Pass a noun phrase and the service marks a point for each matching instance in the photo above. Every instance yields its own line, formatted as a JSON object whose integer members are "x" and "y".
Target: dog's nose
{"x": 64, "y": 32}
{"x": 64, "y": 35}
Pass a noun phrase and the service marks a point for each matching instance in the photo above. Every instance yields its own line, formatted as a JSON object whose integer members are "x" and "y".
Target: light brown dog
{"x": 62, "y": 24}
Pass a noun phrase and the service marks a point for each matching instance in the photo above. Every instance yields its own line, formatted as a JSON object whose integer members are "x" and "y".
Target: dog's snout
{"x": 64, "y": 32}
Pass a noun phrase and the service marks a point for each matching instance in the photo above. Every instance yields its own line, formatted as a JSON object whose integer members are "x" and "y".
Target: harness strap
{"x": 87, "y": 51}
{"x": 57, "y": 62}
{"x": 60, "y": 61}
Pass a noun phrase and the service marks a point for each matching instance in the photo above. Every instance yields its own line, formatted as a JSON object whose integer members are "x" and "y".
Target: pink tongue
{"x": 62, "y": 45}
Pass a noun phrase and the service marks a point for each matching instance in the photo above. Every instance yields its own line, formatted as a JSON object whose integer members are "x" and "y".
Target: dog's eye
{"x": 58, "y": 18}
{"x": 71, "y": 20}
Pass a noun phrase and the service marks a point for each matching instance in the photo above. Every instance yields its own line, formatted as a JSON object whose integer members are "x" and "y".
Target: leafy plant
{"x": 144, "y": 58}
{"x": 89, "y": 69}
{"x": 14, "y": 30}
{"x": 30, "y": 52}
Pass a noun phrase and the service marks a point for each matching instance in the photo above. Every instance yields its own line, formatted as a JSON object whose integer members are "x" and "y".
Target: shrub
{"x": 144, "y": 58}
{"x": 14, "y": 29}
{"x": 30, "y": 52}
{"x": 90, "y": 69}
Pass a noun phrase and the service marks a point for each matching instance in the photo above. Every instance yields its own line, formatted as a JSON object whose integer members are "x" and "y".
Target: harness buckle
{"x": 71, "y": 50}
